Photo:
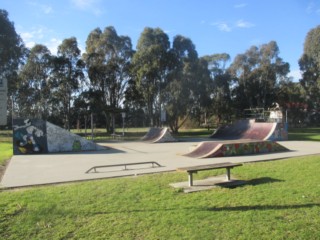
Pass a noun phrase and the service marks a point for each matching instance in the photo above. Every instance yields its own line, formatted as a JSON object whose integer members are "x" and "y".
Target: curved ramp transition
{"x": 158, "y": 135}
{"x": 234, "y": 148}
{"x": 250, "y": 129}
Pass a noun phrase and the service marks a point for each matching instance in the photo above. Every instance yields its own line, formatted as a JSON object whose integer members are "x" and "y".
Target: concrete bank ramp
{"x": 210, "y": 149}
{"x": 158, "y": 135}
{"x": 250, "y": 129}
{"x": 35, "y": 136}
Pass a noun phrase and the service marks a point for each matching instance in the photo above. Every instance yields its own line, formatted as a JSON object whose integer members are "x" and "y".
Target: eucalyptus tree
{"x": 257, "y": 74}
{"x": 291, "y": 97}
{"x": 108, "y": 57}
{"x": 217, "y": 63}
{"x": 221, "y": 85}
{"x": 241, "y": 70}
{"x": 185, "y": 92}
{"x": 151, "y": 63}
{"x": 12, "y": 52}
{"x": 67, "y": 77}
{"x": 310, "y": 67}
{"x": 34, "y": 89}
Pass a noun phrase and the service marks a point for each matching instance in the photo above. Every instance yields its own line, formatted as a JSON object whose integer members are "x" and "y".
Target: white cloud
{"x": 310, "y": 7}
{"x": 243, "y": 24}
{"x": 53, "y": 44}
{"x": 255, "y": 42}
{"x": 222, "y": 26}
{"x": 26, "y": 35}
{"x": 313, "y": 8}
{"x": 240, "y": 5}
{"x": 46, "y": 9}
{"x": 36, "y": 34}
{"x": 295, "y": 74}
{"x": 167, "y": 31}
{"x": 30, "y": 44}
{"x": 226, "y": 27}
{"x": 40, "y": 35}
{"x": 88, "y": 5}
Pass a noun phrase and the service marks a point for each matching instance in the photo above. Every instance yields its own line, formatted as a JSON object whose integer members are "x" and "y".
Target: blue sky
{"x": 214, "y": 26}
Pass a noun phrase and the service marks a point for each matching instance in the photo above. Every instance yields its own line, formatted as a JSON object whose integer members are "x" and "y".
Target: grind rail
{"x": 153, "y": 164}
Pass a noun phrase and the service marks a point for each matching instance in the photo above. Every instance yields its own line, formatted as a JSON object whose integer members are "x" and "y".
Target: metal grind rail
{"x": 153, "y": 165}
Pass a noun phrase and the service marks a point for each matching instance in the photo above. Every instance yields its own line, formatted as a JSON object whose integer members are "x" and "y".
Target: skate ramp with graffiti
{"x": 250, "y": 129}
{"x": 211, "y": 149}
{"x": 32, "y": 136}
{"x": 158, "y": 135}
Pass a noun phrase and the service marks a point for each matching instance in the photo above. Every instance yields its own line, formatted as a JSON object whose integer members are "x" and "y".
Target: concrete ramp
{"x": 158, "y": 135}
{"x": 35, "y": 136}
{"x": 234, "y": 148}
{"x": 250, "y": 129}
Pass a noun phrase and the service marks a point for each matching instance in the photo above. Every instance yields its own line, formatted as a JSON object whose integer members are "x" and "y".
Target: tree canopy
{"x": 257, "y": 73}
{"x": 11, "y": 47}
{"x": 157, "y": 77}
{"x": 310, "y": 67}
{"x": 150, "y": 66}
{"x": 108, "y": 58}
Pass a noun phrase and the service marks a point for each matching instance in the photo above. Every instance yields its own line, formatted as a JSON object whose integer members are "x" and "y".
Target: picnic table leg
{"x": 228, "y": 174}
{"x": 190, "y": 179}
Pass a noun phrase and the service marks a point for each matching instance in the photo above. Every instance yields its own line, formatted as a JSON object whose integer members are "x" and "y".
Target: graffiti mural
{"x": 280, "y": 133}
{"x": 76, "y": 146}
{"x": 247, "y": 148}
{"x": 32, "y": 136}
{"x": 29, "y": 136}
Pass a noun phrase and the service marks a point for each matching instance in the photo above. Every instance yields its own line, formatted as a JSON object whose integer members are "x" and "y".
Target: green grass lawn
{"x": 132, "y": 134}
{"x": 301, "y": 134}
{"x": 280, "y": 201}
{"x": 5, "y": 152}
{"x": 304, "y": 134}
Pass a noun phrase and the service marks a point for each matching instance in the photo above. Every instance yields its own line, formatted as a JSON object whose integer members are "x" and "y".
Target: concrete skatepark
{"x": 29, "y": 170}
{"x": 62, "y": 167}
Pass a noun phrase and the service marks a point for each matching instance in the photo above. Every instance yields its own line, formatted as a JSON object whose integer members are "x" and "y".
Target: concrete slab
{"x": 208, "y": 183}
{"x": 30, "y": 170}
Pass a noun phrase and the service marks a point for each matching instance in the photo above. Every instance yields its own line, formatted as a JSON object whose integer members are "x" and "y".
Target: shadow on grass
{"x": 263, "y": 180}
{"x": 252, "y": 182}
{"x": 218, "y": 209}
{"x": 263, "y": 207}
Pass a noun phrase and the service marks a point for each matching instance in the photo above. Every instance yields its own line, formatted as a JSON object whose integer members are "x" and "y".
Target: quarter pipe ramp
{"x": 250, "y": 129}
{"x": 212, "y": 149}
{"x": 158, "y": 135}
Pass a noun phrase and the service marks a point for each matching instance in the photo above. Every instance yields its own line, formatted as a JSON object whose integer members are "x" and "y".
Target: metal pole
{"x": 92, "y": 126}
{"x": 123, "y": 114}
{"x": 228, "y": 174}
{"x": 190, "y": 179}
{"x": 122, "y": 126}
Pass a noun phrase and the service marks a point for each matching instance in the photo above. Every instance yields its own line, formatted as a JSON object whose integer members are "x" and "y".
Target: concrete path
{"x": 29, "y": 170}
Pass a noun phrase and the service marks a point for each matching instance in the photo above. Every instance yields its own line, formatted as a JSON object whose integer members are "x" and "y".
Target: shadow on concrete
{"x": 107, "y": 150}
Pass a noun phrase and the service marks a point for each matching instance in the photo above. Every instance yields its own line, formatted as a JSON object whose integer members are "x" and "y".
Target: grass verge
{"x": 5, "y": 152}
{"x": 304, "y": 134}
{"x": 280, "y": 201}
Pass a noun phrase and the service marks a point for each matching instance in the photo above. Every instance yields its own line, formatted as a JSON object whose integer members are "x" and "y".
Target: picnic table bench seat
{"x": 195, "y": 169}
